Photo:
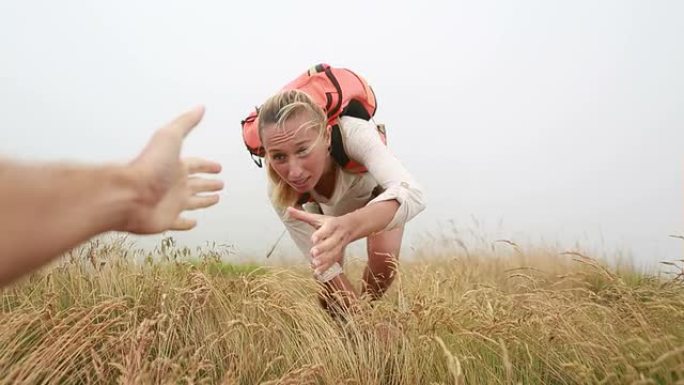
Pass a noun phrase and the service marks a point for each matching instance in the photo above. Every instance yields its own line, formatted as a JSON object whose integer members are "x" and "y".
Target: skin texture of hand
{"x": 333, "y": 234}
{"x": 169, "y": 184}
{"x": 331, "y": 237}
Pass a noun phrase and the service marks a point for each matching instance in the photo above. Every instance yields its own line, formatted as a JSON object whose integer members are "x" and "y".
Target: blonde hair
{"x": 277, "y": 110}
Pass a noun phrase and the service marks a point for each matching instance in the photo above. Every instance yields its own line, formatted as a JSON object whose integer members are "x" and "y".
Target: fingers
{"x": 183, "y": 224}
{"x": 202, "y": 201}
{"x": 332, "y": 243}
{"x": 315, "y": 220}
{"x": 325, "y": 261}
{"x": 183, "y": 124}
{"x": 320, "y": 265}
{"x": 324, "y": 232}
{"x": 199, "y": 165}
{"x": 322, "y": 260}
{"x": 202, "y": 185}
{"x": 323, "y": 267}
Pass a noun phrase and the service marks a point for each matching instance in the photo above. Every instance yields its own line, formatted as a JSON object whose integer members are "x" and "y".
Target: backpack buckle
{"x": 257, "y": 160}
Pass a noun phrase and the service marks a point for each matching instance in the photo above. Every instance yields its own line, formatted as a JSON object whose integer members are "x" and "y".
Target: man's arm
{"x": 46, "y": 210}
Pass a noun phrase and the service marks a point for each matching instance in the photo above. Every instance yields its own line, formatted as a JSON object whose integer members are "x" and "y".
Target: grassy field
{"x": 504, "y": 316}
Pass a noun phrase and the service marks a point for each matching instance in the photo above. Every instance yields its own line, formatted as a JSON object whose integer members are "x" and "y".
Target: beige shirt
{"x": 353, "y": 191}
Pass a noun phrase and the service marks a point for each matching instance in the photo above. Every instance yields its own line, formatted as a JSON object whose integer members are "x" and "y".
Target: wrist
{"x": 354, "y": 224}
{"x": 332, "y": 272}
{"x": 130, "y": 196}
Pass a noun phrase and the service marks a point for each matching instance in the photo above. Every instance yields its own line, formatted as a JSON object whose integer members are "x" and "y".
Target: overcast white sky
{"x": 534, "y": 121}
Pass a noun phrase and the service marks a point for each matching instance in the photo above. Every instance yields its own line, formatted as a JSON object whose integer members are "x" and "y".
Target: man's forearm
{"x": 47, "y": 210}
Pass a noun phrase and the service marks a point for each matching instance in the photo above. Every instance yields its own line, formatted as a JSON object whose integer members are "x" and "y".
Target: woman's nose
{"x": 295, "y": 168}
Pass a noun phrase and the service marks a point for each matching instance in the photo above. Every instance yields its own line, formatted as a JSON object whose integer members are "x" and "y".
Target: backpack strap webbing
{"x": 334, "y": 111}
{"x": 337, "y": 146}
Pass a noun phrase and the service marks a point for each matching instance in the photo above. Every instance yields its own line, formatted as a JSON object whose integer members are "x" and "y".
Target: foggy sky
{"x": 532, "y": 121}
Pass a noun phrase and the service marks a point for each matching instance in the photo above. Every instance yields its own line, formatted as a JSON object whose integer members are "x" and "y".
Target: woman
{"x": 304, "y": 177}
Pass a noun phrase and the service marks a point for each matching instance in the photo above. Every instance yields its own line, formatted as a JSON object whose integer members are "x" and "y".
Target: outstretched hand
{"x": 329, "y": 240}
{"x": 170, "y": 185}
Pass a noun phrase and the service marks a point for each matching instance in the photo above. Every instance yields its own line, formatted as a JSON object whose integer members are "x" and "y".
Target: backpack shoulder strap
{"x": 340, "y": 156}
{"x": 337, "y": 146}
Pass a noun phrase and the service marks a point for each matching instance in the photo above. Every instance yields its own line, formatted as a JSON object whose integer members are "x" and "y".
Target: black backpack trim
{"x": 337, "y": 146}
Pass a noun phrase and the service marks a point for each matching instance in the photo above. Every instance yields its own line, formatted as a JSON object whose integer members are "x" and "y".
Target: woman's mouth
{"x": 300, "y": 183}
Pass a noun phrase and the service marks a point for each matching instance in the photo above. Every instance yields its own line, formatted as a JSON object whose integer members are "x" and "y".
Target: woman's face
{"x": 296, "y": 152}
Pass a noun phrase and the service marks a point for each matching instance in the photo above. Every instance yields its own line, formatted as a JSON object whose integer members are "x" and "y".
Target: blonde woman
{"x": 305, "y": 178}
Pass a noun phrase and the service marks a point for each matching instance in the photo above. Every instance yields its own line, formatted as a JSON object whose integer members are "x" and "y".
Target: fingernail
{"x": 314, "y": 251}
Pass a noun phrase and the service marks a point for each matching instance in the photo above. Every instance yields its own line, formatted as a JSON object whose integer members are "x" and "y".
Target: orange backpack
{"x": 340, "y": 92}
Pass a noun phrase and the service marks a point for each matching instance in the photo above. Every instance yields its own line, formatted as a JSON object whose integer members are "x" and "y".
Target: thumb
{"x": 167, "y": 140}
{"x": 301, "y": 215}
{"x": 186, "y": 122}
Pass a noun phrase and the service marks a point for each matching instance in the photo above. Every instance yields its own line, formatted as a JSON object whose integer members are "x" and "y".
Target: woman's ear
{"x": 328, "y": 135}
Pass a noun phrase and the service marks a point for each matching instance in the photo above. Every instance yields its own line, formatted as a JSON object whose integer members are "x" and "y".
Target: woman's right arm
{"x": 301, "y": 233}
{"x": 363, "y": 144}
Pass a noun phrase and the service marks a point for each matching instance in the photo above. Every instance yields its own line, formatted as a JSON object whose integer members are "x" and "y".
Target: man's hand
{"x": 168, "y": 184}
{"x": 65, "y": 205}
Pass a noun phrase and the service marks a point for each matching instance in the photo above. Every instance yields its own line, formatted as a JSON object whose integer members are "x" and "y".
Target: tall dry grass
{"x": 503, "y": 316}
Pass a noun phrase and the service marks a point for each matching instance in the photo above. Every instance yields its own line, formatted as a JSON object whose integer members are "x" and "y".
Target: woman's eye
{"x": 302, "y": 151}
{"x": 278, "y": 157}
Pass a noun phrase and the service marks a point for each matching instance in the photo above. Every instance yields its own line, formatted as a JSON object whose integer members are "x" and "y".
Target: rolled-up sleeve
{"x": 363, "y": 144}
